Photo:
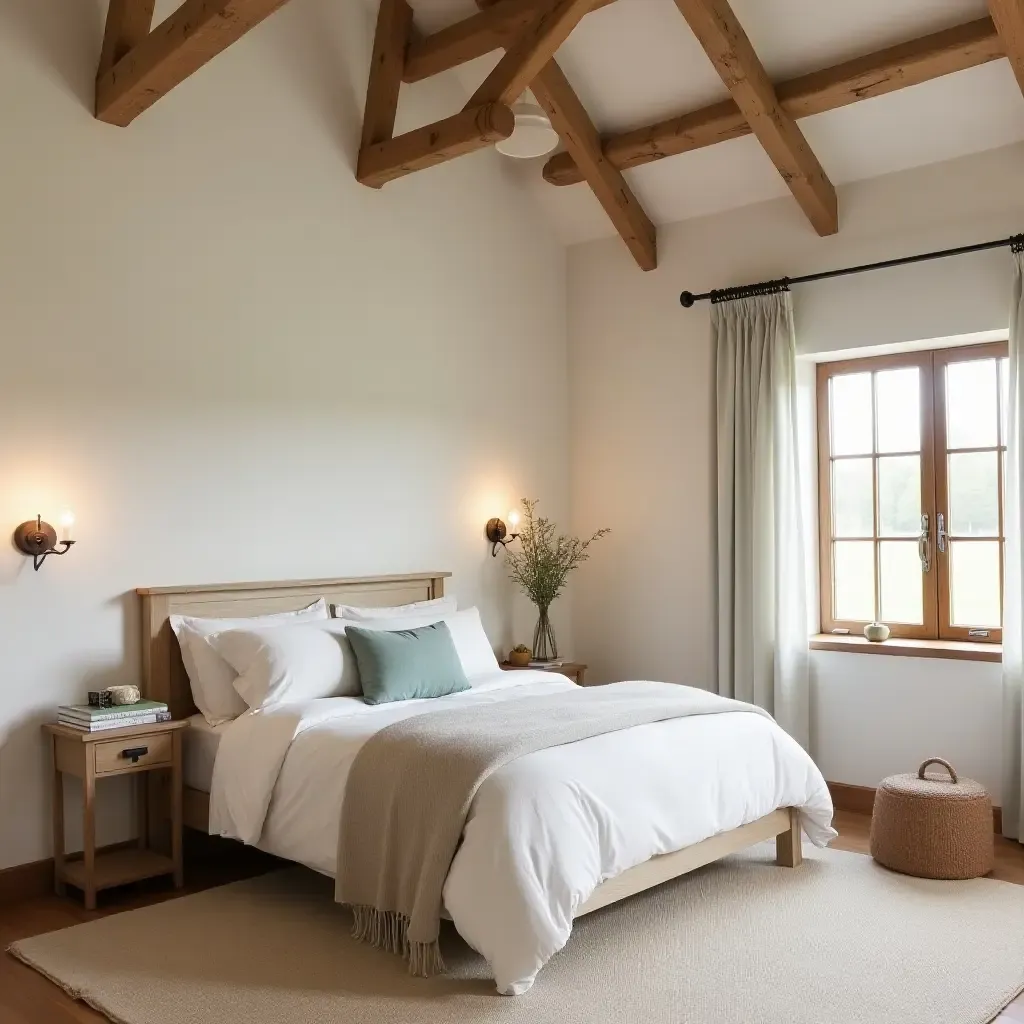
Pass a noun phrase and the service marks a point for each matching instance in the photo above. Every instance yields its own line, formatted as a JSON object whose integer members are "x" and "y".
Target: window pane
{"x": 971, "y": 404}
{"x": 899, "y": 496}
{"x": 1004, "y": 387}
{"x": 901, "y": 586}
{"x": 898, "y": 409}
{"x": 852, "y": 498}
{"x": 854, "y": 580}
{"x": 851, "y": 414}
{"x": 974, "y": 494}
{"x": 974, "y": 583}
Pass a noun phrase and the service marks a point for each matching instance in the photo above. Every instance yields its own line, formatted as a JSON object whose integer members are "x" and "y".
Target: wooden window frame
{"x": 928, "y": 629}
{"x": 942, "y": 359}
{"x": 931, "y": 364}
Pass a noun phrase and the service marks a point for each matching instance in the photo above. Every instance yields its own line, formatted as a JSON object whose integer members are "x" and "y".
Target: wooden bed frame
{"x": 163, "y": 677}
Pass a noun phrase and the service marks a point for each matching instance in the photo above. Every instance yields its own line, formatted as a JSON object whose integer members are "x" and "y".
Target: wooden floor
{"x": 28, "y": 998}
{"x": 853, "y": 832}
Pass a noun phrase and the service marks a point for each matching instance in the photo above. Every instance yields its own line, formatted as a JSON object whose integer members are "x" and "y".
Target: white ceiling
{"x": 636, "y": 61}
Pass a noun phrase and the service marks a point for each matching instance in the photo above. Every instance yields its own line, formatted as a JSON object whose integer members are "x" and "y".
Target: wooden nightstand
{"x": 136, "y": 750}
{"x": 573, "y": 669}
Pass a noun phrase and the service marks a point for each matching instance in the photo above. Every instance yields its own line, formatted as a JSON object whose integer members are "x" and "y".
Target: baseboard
{"x": 861, "y": 800}
{"x": 856, "y": 799}
{"x": 25, "y": 881}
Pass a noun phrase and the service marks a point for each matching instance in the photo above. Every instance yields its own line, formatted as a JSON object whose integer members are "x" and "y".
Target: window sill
{"x": 956, "y": 650}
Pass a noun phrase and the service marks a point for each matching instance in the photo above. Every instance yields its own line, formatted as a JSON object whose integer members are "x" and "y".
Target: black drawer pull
{"x": 134, "y": 753}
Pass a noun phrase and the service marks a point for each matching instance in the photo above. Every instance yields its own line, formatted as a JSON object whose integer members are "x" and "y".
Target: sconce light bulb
{"x": 67, "y": 522}
{"x": 513, "y": 519}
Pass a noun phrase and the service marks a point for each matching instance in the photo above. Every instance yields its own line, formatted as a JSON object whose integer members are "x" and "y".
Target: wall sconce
{"x": 39, "y": 539}
{"x": 497, "y": 532}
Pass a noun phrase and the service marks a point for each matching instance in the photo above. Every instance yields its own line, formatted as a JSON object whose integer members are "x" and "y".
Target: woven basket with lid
{"x": 933, "y": 825}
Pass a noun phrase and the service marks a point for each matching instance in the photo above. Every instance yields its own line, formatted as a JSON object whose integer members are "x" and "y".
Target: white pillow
{"x": 290, "y": 663}
{"x": 210, "y": 675}
{"x": 471, "y": 643}
{"x": 439, "y": 606}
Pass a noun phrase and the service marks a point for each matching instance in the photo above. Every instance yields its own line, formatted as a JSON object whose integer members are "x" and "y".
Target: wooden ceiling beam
{"x": 876, "y": 74}
{"x": 394, "y": 25}
{"x": 193, "y": 35}
{"x": 465, "y": 132}
{"x": 529, "y": 52}
{"x": 583, "y": 144}
{"x": 580, "y": 138}
{"x": 1008, "y": 16}
{"x": 128, "y": 24}
{"x": 493, "y": 28}
{"x": 726, "y": 44}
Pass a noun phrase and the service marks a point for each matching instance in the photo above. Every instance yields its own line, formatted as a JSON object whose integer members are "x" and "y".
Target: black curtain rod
{"x": 1015, "y": 242}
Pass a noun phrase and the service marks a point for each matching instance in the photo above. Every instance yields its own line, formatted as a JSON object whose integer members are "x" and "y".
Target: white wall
{"x": 234, "y": 362}
{"x": 642, "y": 436}
{"x": 875, "y": 716}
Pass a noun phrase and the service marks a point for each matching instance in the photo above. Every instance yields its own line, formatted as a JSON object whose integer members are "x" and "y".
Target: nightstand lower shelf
{"x": 118, "y": 867}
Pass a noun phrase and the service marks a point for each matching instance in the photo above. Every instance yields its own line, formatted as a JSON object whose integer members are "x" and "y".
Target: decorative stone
{"x": 125, "y": 694}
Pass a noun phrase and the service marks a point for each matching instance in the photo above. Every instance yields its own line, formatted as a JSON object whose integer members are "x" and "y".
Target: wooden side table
{"x": 573, "y": 669}
{"x": 136, "y": 750}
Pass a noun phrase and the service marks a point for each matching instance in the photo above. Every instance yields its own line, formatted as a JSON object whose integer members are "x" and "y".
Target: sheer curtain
{"x": 762, "y": 592}
{"x": 1013, "y": 604}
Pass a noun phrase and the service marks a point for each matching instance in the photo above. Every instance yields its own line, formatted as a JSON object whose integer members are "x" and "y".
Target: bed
{"x": 164, "y": 678}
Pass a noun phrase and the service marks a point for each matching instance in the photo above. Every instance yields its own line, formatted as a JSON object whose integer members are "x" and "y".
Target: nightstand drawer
{"x": 111, "y": 758}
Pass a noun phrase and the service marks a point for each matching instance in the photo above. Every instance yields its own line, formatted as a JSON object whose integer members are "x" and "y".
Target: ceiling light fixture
{"x": 533, "y": 136}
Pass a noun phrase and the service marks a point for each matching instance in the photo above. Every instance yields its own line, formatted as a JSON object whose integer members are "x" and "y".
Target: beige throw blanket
{"x": 411, "y": 785}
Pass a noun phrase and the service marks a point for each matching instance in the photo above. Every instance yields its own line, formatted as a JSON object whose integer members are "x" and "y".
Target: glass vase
{"x": 545, "y": 647}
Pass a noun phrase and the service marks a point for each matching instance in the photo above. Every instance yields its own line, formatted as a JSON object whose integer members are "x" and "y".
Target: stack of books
{"x": 121, "y": 716}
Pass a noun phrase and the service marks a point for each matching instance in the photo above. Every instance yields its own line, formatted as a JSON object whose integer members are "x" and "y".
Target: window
{"x": 911, "y": 454}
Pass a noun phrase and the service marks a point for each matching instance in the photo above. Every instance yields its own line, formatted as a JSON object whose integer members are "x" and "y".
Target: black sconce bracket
{"x": 498, "y": 535}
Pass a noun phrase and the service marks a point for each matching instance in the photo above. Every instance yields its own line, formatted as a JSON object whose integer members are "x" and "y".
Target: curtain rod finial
{"x": 687, "y": 299}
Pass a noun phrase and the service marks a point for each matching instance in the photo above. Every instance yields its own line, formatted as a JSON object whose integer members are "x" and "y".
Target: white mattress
{"x": 199, "y": 750}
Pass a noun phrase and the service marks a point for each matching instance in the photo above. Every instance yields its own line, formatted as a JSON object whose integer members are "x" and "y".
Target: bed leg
{"x": 788, "y": 851}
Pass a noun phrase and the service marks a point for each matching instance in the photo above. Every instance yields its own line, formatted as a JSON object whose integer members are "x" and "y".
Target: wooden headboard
{"x": 163, "y": 675}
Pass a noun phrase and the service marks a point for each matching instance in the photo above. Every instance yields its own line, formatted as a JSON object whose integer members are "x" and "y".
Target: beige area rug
{"x": 838, "y": 941}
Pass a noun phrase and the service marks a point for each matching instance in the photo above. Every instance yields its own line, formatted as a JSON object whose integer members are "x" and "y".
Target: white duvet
{"x": 543, "y": 831}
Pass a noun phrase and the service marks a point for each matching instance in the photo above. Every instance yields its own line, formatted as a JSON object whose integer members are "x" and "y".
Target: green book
{"x": 90, "y": 714}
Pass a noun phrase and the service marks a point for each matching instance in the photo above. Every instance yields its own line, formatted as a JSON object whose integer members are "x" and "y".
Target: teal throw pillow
{"x": 407, "y": 663}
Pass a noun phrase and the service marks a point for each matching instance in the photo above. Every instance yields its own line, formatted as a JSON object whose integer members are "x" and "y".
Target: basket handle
{"x": 938, "y": 760}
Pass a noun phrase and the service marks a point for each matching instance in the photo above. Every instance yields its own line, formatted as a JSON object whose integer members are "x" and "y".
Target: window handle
{"x": 923, "y": 545}
{"x": 941, "y": 531}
